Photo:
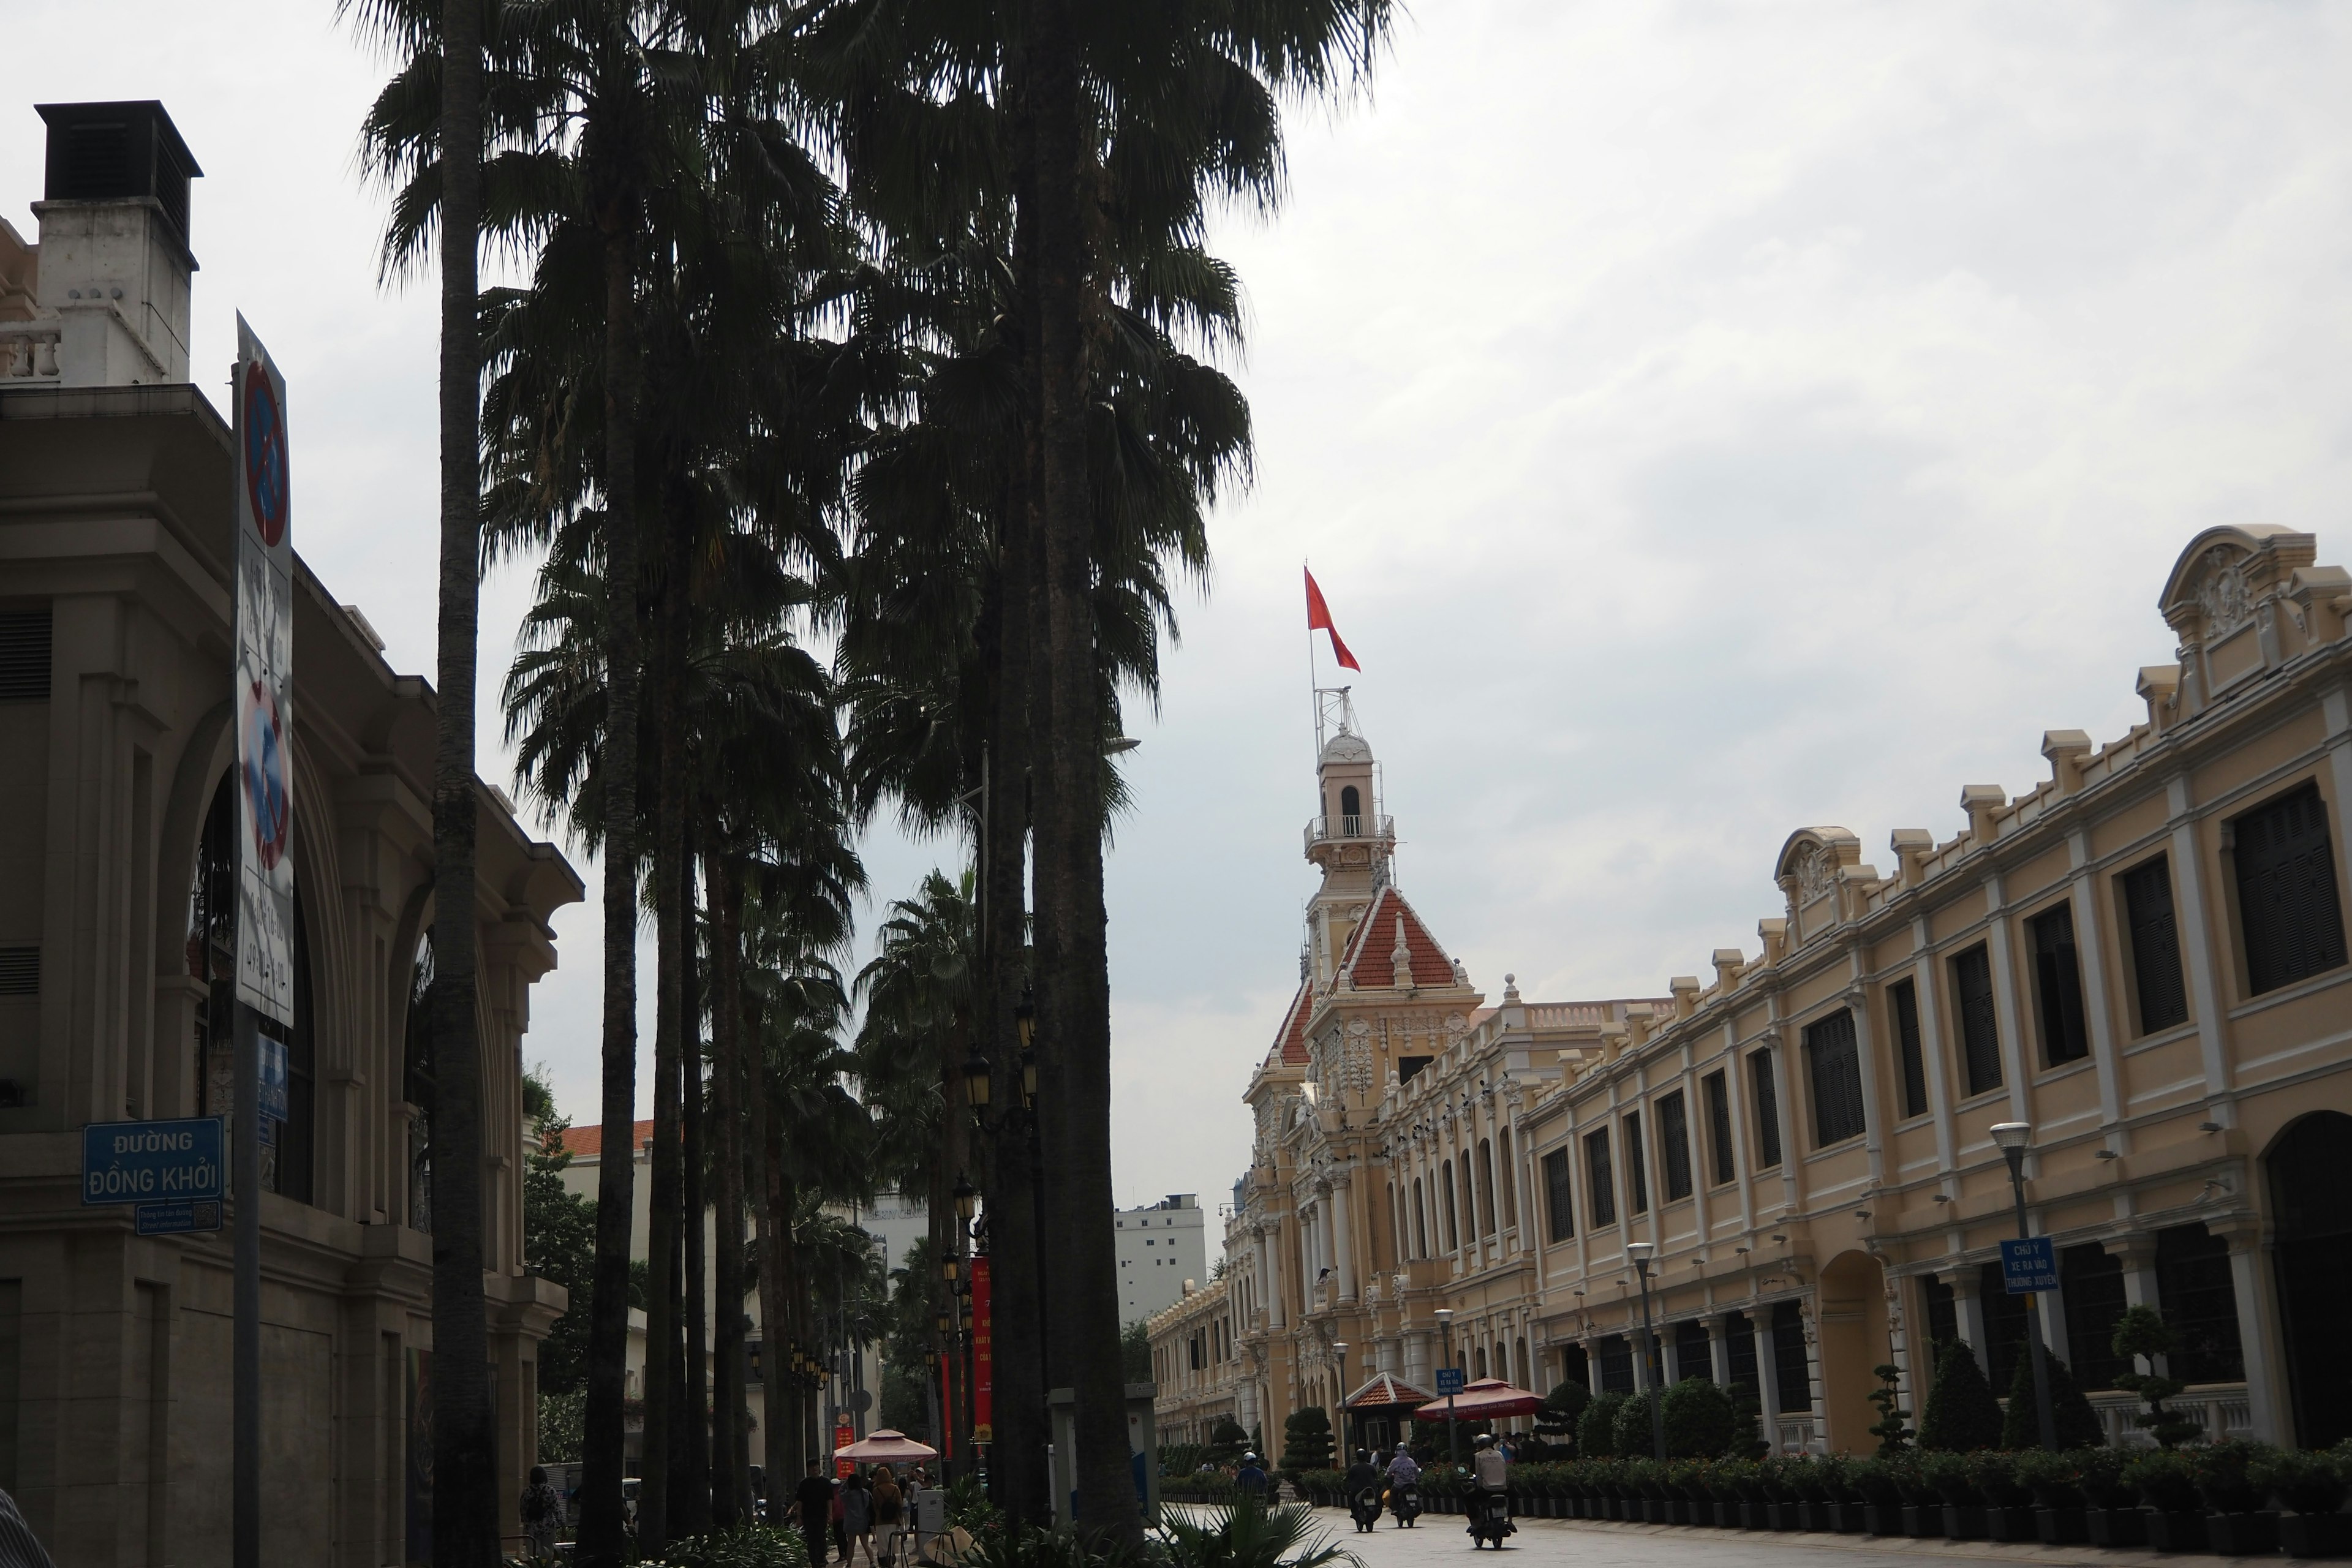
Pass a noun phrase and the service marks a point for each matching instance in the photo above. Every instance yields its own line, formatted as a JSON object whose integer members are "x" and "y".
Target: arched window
{"x": 1351, "y": 810}
{"x": 1420, "y": 1227}
{"x": 1511, "y": 1188}
{"x": 1469, "y": 1195}
{"x": 288, "y": 1147}
{"x": 1486, "y": 1187}
{"x": 1396, "y": 1226}
{"x": 1527, "y": 1372}
{"x": 2310, "y": 1173}
{"x": 1478, "y": 1358}
{"x": 1453, "y": 1229}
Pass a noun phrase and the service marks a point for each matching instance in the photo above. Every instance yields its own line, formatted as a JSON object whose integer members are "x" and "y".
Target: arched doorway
{"x": 1854, "y": 1339}
{"x": 2310, "y": 1170}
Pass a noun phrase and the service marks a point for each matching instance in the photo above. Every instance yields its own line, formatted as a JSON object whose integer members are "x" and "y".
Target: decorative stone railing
{"x": 2221, "y": 1408}
{"x": 28, "y": 351}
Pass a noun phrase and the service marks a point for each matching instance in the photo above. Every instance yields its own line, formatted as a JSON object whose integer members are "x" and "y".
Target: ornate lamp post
{"x": 1339, "y": 1348}
{"x": 2013, "y": 1138}
{"x": 1640, "y": 1252}
{"x": 1444, "y": 1316}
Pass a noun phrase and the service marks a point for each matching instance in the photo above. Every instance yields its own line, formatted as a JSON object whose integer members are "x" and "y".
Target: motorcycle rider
{"x": 1402, "y": 1472}
{"x": 1489, "y": 1478}
{"x": 1363, "y": 1483}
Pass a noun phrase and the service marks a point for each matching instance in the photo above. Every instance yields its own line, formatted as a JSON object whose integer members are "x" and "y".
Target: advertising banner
{"x": 265, "y": 686}
{"x": 983, "y": 1359}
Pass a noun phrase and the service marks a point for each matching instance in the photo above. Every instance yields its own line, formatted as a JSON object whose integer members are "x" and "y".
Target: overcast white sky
{"x": 1705, "y": 419}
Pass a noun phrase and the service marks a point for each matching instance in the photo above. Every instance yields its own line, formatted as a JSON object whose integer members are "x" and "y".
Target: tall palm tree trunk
{"x": 1072, "y": 949}
{"x": 602, "y": 1541}
{"x": 1016, "y": 1324}
{"x": 779, "y": 1406}
{"x": 690, "y": 1441}
{"x": 726, "y": 1078}
{"x": 464, "y": 1448}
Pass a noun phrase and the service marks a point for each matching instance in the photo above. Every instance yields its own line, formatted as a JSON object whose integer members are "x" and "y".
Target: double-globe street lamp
{"x": 2013, "y": 1138}
{"x": 1640, "y": 1252}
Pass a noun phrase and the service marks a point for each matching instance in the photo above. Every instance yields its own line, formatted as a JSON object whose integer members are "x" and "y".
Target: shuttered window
{"x": 1637, "y": 1172}
{"x": 1673, "y": 1144}
{"x": 1767, "y": 1110}
{"x": 2287, "y": 891}
{"x": 2155, "y": 942}
{"x": 1903, "y": 1002}
{"x": 1559, "y": 1199}
{"x": 1979, "y": 1036}
{"x": 2058, "y": 986}
{"x": 1718, "y": 1123}
{"x": 24, "y": 655}
{"x": 1837, "y": 1079}
{"x": 20, "y": 971}
{"x": 1599, "y": 1178}
{"x": 1791, "y": 1366}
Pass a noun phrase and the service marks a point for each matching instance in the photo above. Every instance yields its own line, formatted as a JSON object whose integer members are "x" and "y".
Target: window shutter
{"x": 1837, "y": 1079}
{"x": 1902, "y": 1001}
{"x": 1560, "y": 1200}
{"x": 1718, "y": 1117}
{"x": 1767, "y": 1110}
{"x": 1980, "y": 1036}
{"x": 2058, "y": 986}
{"x": 1597, "y": 1173}
{"x": 1673, "y": 1144}
{"x": 2155, "y": 946}
{"x": 2287, "y": 891}
{"x": 1637, "y": 1174}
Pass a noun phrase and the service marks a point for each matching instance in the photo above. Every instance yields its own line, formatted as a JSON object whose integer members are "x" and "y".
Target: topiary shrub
{"x": 1306, "y": 1440}
{"x": 1700, "y": 1422}
{"x": 1596, "y": 1429}
{"x": 1961, "y": 1412}
{"x": 2142, "y": 1332}
{"x": 1226, "y": 1441}
{"x": 1561, "y": 1407}
{"x": 1893, "y": 1431}
{"x": 1632, "y": 1428}
{"x": 2078, "y": 1424}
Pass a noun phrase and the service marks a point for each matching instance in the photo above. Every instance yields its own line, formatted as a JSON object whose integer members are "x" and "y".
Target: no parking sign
{"x": 265, "y": 681}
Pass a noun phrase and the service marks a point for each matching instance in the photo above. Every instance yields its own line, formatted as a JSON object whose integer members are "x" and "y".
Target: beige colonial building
{"x": 116, "y": 936}
{"x": 2143, "y": 957}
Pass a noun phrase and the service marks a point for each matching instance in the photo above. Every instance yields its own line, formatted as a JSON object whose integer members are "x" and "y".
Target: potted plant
{"x": 1753, "y": 1499}
{"x": 1780, "y": 1475}
{"x": 2055, "y": 1483}
{"x": 1954, "y": 1477}
{"x": 2168, "y": 1488}
{"x": 1609, "y": 1483}
{"x": 2237, "y": 1525}
{"x": 1686, "y": 1493}
{"x": 2142, "y": 1332}
{"x": 1811, "y": 1479}
{"x": 1923, "y": 1505}
{"x": 1723, "y": 1483}
{"x": 2111, "y": 1511}
{"x": 2008, "y": 1505}
{"x": 1881, "y": 1498}
{"x": 2311, "y": 1486}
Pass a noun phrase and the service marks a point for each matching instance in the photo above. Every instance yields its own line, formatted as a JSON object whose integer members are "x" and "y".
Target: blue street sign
{"x": 273, "y": 1080}
{"x": 2029, "y": 1264}
{"x": 150, "y": 1162}
{"x": 178, "y": 1217}
{"x": 1450, "y": 1380}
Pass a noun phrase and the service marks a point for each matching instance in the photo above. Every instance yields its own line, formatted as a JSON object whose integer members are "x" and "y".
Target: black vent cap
{"x": 100, "y": 152}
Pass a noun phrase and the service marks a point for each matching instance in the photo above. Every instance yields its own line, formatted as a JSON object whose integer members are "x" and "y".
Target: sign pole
{"x": 246, "y": 1342}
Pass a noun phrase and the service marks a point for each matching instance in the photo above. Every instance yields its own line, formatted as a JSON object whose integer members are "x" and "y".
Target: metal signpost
{"x": 2029, "y": 1264}
{"x": 264, "y": 694}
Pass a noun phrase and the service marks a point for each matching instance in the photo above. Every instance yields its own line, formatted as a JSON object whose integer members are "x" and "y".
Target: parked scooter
{"x": 1366, "y": 1507}
{"x": 1404, "y": 1501}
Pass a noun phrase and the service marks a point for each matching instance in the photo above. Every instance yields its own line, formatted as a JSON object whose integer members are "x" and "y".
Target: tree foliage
{"x": 1962, "y": 1413}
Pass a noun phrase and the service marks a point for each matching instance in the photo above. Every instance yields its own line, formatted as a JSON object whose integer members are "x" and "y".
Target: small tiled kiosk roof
{"x": 1368, "y": 963}
{"x": 1386, "y": 1391}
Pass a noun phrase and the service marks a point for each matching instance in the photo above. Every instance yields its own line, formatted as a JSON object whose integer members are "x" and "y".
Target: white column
{"x": 2197, "y": 942}
{"x": 1768, "y": 1375}
{"x": 1343, "y": 1260}
{"x": 1269, "y": 1282}
{"x": 1969, "y": 1308}
{"x": 2016, "y": 1055}
{"x": 2091, "y": 952}
{"x": 1865, "y": 1051}
{"x": 2269, "y": 1411}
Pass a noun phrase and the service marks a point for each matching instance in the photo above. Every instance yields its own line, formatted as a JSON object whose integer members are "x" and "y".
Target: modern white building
{"x": 1162, "y": 1247}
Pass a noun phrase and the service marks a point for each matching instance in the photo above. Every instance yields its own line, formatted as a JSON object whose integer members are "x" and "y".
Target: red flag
{"x": 1318, "y": 618}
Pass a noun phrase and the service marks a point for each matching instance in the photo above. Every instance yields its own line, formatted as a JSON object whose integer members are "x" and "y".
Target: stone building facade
{"x": 2142, "y": 958}
{"x": 116, "y": 932}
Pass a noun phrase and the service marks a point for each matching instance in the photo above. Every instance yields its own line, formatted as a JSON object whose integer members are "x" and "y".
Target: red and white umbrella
{"x": 1488, "y": 1399}
{"x": 884, "y": 1446}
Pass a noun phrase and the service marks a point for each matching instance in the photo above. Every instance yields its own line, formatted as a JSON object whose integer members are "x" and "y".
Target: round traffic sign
{"x": 264, "y": 455}
{"x": 268, "y": 792}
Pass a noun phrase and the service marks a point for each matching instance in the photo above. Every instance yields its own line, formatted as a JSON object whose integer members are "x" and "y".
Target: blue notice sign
{"x": 1450, "y": 1380}
{"x": 2029, "y": 1264}
{"x": 178, "y": 1217}
{"x": 272, "y": 1102}
{"x": 152, "y": 1161}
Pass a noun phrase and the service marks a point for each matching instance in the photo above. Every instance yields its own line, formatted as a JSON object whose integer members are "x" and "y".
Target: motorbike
{"x": 1490, "y": 1518}
{"x": 1366, "y": 1507}
{"x": 1404, "y": 1501}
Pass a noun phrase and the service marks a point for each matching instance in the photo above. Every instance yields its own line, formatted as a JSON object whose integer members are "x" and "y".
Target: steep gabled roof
{"x": 1290, "y": 1040}
{"x": 1368, "y": 962}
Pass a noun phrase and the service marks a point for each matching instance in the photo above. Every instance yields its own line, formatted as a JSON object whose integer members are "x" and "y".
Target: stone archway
{"x": 2310, "y": 1171}
{"x": 1851, "y": 1316}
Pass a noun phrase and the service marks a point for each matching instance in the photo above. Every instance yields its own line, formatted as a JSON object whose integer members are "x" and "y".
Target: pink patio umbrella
{"x": 1488, "y": 1399}
{"x": 884, "y": 1446}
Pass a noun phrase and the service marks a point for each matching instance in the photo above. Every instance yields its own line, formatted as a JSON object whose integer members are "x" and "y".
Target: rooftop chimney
{"x": 113, "y": 262}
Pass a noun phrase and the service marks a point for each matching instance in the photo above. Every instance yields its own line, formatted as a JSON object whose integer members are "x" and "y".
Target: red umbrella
{"x": 1488, "y": 1399}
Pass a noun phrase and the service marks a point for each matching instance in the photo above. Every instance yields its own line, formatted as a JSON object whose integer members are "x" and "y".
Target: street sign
{"x": 150, "y": 1162}
{"x": 2029, "y": 1264}
{"x": 1450, "y": 1380}
{"x": 273, "y": 1081}
{"x": 263, "y": 687}
{"x": 178, "y": 1217}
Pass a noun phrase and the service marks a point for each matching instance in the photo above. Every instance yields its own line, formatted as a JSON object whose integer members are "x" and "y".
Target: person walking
{"x": 542, "y": 1512}
{"x": 857, "y": 1518}
{"x": 889, "y": 1508}
{"x": 1250, "y": 1480}
{"x": 813, "y": 1499}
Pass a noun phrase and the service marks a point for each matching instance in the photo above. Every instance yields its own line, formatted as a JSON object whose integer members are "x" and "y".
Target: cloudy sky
{"x": 1705, "y": 419}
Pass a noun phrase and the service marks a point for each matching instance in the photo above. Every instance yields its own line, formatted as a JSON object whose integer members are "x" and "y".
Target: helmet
{"x": 1249, "y": 1458}
{"x": 1486, "y": 1440}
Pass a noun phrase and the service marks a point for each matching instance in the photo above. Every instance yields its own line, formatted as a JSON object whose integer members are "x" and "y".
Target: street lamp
{"x": 2013, "y": 1137}
{"x": 1640, "y": 1252}
{"x": 975, "y": 1084}
{"x": 1024, "y": 1021}
{"x": 1444, "y": 1316}
{"x": 967, "y": 1196}
{"x": 1340, "y": 1348}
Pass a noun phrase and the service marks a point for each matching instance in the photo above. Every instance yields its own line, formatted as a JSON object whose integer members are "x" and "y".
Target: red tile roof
{"x": 1290, "y": 1040}
{"x": 591, "y": 1139}
{"x": 1368, "y": 961}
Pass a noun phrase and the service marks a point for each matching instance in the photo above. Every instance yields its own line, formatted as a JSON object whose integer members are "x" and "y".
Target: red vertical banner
{"x": 947, "y": 1406}
{"x": 842, "y": 1439}
{"x": 983, "y": 1366}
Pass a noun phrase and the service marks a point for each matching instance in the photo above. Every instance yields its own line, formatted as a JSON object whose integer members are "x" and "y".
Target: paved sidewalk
{"x": 1439, "y": 1538}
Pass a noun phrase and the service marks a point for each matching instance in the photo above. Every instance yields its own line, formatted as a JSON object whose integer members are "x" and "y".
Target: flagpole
{"x": 1313, "y": 702}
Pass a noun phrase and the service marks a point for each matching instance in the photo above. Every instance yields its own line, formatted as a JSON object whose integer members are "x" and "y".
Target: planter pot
{"x": 1882, "y": 1519}
{"x": 2011, "y": 1524}
{"x": 2061, "y": 1526}
{"x": 1751, "y": 1515}
{"x": 2243, "y": 1534}
{"x": 1964, "y": 1521}
{"x": 1726, "y": 1515}
{"x": 1845, "y": 1518}
{"x": 2117, "y": 1526}
{"x": 2316, "y": 1534}
{"x": 1781, "y": 1515}
{"x": 1580, "y": 1506}
{"x": 2176, "y": 1532}
{"x": 1813, "y": 1516}
{"x": 1924, "y": 1520}
{"x": 1677, "y": 1511}
{"x": 1654, "y": 1510}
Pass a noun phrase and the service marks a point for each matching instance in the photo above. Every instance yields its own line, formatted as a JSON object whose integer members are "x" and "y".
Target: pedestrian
{"x": 813, "y": 1498}
{"x": 20, "y": 1548}
{"x": 542, "y": 1511}
{"x": 1250, "y": 1481}
{"x": 840, "y": 1511}
{"x": 888, "y": 1509}
{"x": 857, "y": 1517}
